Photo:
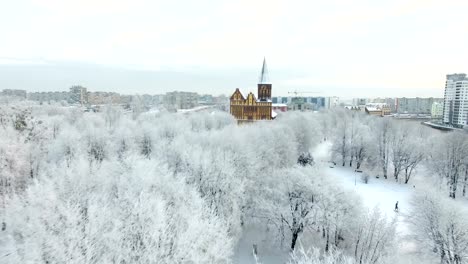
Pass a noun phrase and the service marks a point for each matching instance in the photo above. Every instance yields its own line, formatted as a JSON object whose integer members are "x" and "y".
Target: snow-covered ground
{"x": 268, "y": 252}
{"x": 195, "y": 109}
{"x": 379, "y": 193}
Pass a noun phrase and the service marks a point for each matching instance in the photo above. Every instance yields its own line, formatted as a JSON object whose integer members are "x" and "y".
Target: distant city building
{"x": 378, "y": 109}
{"x": 78, "y": 95}
{"x": 360, "y": 101}
{"x": 416, "y": 105}
{"x": 332, "y": 102}
{"x": 390, "y": 102}
{"x": 279, "y": 107}
{"x": 437, "y": 110}
{"x": 302, "y": 103}
{"x": 206, "y": 99}
{"x": 180, "y": 100}
{"x": 456, "y": 100}
{"x": 49, "y": 96}
{"x": 14, "y": 92}
{"x": 126, "y": 99}
{"x": 222, "y": 102}
{"x": 281, "y": 100}
{"x": 147, "y": 100}
{"x": 158, "y": 99}
{"x": 99, "y": 98}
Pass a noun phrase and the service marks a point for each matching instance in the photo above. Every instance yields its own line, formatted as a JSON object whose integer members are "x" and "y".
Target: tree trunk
{"x": 452, "y": 192}
{"x": 343, "y": 150}
{"x": 356, "y": 247}
{"x": 453, "y": 187}
{"x": 466, "y": 181}
{"x": 328, "y": 240}
{"x": 384, "y": 169}
{"x": 294, "y": 239}
{"x": 442, "y": 254}
{"x": 336, "y": 238}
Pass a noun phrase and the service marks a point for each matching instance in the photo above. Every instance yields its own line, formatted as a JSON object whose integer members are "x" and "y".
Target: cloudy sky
{"x": 347, "y": 48}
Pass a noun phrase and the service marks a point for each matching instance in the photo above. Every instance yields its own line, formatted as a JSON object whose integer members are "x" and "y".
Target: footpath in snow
{"x": 381, "y": 193}
{"x": 378, "y": 192}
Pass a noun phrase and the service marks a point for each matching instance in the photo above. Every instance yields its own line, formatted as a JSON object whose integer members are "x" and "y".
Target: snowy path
{"x": 379, "y": 193}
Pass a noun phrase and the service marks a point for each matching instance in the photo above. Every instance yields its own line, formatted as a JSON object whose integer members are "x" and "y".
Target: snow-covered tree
{"x": 291, "y": 202}
{"x": 138, "y": 213}
{"x": 440, "y": 227}
{"x": 399, "y": 149}
{"x": 341, "y": 146}
{"x": 374, "y": 239}
{"x": 313, "y": 256}
{"x": 383, "y": 129}
{"x": 449, "y": 160}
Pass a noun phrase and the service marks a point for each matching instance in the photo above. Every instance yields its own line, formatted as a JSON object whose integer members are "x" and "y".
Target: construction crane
{"x": 296, "y": 92}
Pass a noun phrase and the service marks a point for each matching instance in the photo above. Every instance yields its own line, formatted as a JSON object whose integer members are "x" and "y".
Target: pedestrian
{"x": 396, "y": 207}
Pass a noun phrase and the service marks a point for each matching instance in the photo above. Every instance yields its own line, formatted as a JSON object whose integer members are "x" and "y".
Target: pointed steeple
{"x": 264, "y": 74}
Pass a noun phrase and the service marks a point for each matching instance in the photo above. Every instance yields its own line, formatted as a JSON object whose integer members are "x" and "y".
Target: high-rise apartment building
{"x": 456, "y": 100}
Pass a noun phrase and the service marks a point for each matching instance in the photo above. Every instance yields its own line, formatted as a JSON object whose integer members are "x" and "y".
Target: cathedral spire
{"x": 264, "y": 74}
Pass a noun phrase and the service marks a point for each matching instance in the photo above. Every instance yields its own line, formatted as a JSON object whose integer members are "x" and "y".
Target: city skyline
{"x": 110, "y": 79}
{"x": 347, "y": 49}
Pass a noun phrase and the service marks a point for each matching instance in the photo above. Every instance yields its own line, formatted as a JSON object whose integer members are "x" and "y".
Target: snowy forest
{"x": 157, "y": 187}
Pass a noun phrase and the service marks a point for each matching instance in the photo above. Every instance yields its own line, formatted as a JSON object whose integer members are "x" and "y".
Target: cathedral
{"x": 251, "y": 108}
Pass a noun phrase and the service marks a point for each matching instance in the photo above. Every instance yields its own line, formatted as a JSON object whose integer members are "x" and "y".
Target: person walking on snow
{"x": 396, "y": 207}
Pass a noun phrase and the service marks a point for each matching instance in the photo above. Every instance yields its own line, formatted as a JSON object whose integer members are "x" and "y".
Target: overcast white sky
{"x": 347, "y": 48}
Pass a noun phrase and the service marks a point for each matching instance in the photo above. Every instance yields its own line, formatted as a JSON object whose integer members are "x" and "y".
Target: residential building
{"x": 316, "y": 102}
{"x": 180, "y": 100}
{"x": 49, "y": 96}
{"x": 78, "y": 94}
{"x": 205, "y": 99}
{"x": 158, "y": 99}
{"x": 456, "y": 100}
{"x": 99, "y": 98}
{"x": 250, "y": 108}
{"x": 360, "y": 101}
{"x": 126, "y": 100}
{"x": 437, "y": 110}
{"x": 147, "y": 100}
{"x": 14, "y": 92}
{"x": 302, "y": 103}
{"x": 281, "y": 100}
{"x": 332, "y": 102}
{"x": 416, "y": 105}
